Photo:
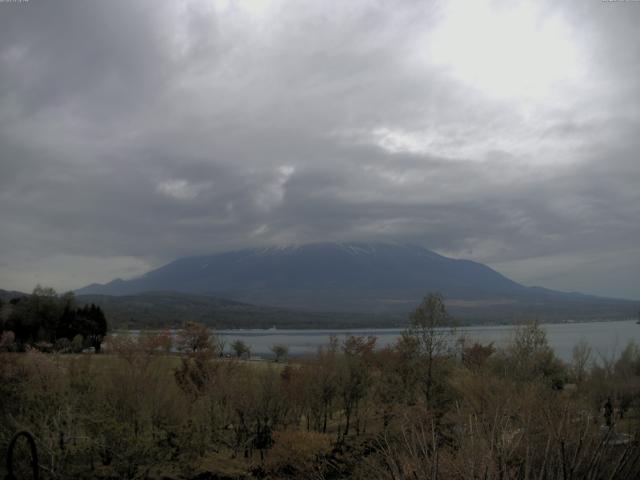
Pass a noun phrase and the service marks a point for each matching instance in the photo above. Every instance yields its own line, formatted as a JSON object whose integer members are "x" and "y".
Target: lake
{"x": 607, "y": 339}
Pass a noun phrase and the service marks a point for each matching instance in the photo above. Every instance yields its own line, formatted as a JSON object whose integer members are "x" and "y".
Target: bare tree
{"x": 354, "y": 376}
{"x": 221, "y": 343}
{"x": 195, "y": 337}
{"x": 431, "y": 327}
{"x": 580, "y": 360}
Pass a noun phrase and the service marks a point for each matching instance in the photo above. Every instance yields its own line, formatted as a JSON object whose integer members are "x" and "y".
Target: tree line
{"x": 48, "y": 321}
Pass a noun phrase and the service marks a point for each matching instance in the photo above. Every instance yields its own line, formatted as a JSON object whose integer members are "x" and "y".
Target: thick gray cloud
{"x": 134, "y": 132}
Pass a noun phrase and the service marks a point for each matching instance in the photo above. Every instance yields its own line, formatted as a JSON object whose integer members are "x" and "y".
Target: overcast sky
{"x": 135, "y": 132}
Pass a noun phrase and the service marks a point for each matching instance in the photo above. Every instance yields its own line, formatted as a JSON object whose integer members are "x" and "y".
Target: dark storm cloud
{"x": 132, "y": 133}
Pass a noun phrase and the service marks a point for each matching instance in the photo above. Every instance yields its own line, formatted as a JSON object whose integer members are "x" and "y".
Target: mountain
{"x": 6, "y": 295}
{"x": 358, "y": 277}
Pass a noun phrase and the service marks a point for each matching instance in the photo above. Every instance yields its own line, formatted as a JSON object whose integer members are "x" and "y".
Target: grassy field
{"x": 169, "y": 361}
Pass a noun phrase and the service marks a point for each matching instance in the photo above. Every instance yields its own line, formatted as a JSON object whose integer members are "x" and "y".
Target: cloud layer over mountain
{"x": 134, "y": 132}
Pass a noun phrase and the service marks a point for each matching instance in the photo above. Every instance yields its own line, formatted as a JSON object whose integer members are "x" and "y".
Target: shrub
{"x": 297, "y": 454}
{"x": 62, "y": 345}
{"x": 77, "y": 344}
{"x": 7, "y": 341}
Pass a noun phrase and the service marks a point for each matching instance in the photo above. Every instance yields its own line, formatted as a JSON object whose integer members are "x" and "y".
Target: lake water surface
{"x": 607, "y": 339}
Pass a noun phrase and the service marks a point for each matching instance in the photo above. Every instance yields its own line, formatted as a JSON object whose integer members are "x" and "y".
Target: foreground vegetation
{"x": 429, "y": 406}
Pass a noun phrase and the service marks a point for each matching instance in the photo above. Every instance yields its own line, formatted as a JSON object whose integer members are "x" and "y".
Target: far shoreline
{"x": 303, "y": 328}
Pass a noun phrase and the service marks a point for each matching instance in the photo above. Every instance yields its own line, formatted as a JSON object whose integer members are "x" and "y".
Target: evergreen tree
{"x": 45, "y": 316}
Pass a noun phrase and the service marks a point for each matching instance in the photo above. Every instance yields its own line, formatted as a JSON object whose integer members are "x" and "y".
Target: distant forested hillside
{"x": 171, "y": 309}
